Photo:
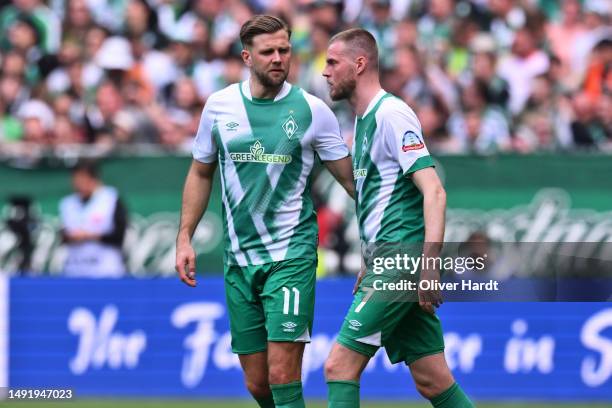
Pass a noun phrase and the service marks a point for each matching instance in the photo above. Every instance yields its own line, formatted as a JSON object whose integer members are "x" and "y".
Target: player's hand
{"x": 185, "y": 263}
{"x": 430, "y": 299}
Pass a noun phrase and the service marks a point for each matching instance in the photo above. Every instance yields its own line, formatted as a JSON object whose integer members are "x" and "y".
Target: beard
{"x": 343, "y": 89}
{"x": 268, "y": 81}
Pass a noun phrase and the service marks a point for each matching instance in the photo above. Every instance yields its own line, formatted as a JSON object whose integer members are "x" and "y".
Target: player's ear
{"x": 361, "y": 64}
{"x": 246, "y": 57}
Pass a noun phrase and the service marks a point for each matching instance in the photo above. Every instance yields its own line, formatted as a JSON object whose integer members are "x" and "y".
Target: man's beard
{"x": 343, "y": 89}
{"x": 269, "y": 82}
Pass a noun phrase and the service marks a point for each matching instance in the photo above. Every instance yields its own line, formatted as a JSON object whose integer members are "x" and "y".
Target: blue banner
{"x": 157, "y": 337}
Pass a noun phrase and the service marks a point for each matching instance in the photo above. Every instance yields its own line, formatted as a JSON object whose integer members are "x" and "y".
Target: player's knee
{"x": 426, "y": 389}
{"x": 282, "y": 375}
{"x": 334, "y": 368}
{"x": 430, "y": 386}
{"x": 258, "y": 389}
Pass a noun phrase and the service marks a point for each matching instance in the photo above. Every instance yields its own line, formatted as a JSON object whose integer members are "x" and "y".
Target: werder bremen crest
{"x": 290, "y": 126}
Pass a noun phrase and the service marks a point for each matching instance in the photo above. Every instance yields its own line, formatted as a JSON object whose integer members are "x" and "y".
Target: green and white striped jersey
{"x": 387, "y": 147}
{"x": 266, "y": 150}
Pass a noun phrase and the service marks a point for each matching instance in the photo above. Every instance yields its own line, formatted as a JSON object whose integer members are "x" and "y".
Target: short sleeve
{"x": 327, "y": 140}
{"x": 204, "y": 147}
{"x": 403, "y": 137}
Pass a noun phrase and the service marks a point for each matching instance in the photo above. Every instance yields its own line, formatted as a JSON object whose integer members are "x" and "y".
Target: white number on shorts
{"x": 287, "y": 300}
{"x": 369, "y": 292}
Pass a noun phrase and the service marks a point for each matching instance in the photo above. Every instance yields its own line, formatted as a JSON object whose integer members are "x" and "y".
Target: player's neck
{"x": 263, "y": 92}
{"x": 365, "y": 91}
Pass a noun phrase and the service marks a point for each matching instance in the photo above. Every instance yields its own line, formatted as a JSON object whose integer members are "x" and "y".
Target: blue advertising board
{"x": 157, "y": 337}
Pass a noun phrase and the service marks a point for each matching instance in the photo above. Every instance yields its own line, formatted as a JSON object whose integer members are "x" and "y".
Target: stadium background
{"x": 514, "y": 100}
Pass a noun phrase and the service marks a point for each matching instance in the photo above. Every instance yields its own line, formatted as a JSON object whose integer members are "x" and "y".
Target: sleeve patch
{"x": 411, "y": 141}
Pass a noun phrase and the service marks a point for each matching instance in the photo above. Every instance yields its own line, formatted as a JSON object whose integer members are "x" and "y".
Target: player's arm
{"x": 342, "y": 170}
{"x": 434, "y": 208}
{"x": 404, "y": 137}
{"x": 330, "y": 146}
{"x": 196, "y": 194}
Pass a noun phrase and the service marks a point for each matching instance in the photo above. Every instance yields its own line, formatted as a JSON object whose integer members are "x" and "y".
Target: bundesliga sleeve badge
{"x": 411, "y": 141}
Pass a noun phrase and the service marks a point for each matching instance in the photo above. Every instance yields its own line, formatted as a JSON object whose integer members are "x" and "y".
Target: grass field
{"x": 248, "y": 404}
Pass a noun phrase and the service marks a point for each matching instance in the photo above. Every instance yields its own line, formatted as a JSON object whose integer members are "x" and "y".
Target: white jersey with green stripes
{"x": 387, "y": 148}
{"x": 266, "y": 150}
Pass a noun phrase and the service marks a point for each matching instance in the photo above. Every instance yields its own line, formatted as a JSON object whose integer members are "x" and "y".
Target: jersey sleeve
{"x": 327, "y": 140}
{"x": 403, "y": 136}
{"x": 204, "y": 147}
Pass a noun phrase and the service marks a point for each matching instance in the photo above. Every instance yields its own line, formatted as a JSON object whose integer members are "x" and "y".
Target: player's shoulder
{"x": 228, "y": 94}
{"x": 392, "y": 109}
{"x": 317, "y": 105}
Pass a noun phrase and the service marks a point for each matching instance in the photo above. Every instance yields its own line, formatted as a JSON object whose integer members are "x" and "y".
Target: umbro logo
{"x": 231, "y": 126}
{"x": 289, "y": 326}
{"x": 354, "y": 325}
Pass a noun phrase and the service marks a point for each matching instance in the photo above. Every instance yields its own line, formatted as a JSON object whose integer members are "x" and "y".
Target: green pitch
{"x": 248, "y": 404}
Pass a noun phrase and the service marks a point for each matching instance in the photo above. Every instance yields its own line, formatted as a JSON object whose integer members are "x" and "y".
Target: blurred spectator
{"x": 525, "y": 63}
{"x": 11, "y": 129}
{"x": 406, "y": 34}
{"x": 562, "y": 35}
{"x": 141, "y": 23}
{"x": 77, "y": 21}
{"x": 124, "y": 72}
{"x": 407, "y": 79}
{"x": 99, "y": 117}
{"x": 544, "y": 125}
{"x": 326, "y": 13}
{"x": 479, "y": 128}
{"x": 436, "y": 26}
{"x": 589, "y": 126}
{"x": 604, "y": 116}
{"x": 312, "y": 70}
{"x": 484, "y": 71}
{"x": 380, "y": 22}
{"x": 506, "y": 18}
{"x": 433, "y": 117}
{"x": 457, "y": 56}
{"x": 598, "y": 78}
{"x": 43, "y": 22}
{"x": 597, "y": 15}
{"x": 38, "y": 121}
{"x": 108, "y": 13}
{"x": 93, "y": 222}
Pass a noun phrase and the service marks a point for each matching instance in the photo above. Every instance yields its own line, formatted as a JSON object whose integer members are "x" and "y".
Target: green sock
{"x": 266, "y": 402}
{"x": 454, "y": 397}
{"x": 288, "y": 395}
{"x": 342, "y": 394}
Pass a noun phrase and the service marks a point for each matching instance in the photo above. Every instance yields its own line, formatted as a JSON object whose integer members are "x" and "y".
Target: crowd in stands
{"x": 483, "y": 76}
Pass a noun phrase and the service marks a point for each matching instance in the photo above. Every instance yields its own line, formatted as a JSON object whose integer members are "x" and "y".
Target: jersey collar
{"x": 246, "y": 91}
{"x": 374, "y": 101}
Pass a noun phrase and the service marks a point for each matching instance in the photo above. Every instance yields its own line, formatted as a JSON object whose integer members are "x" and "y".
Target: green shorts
{"x": 402, "y": 327}
{"x": 270, "y": 302}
